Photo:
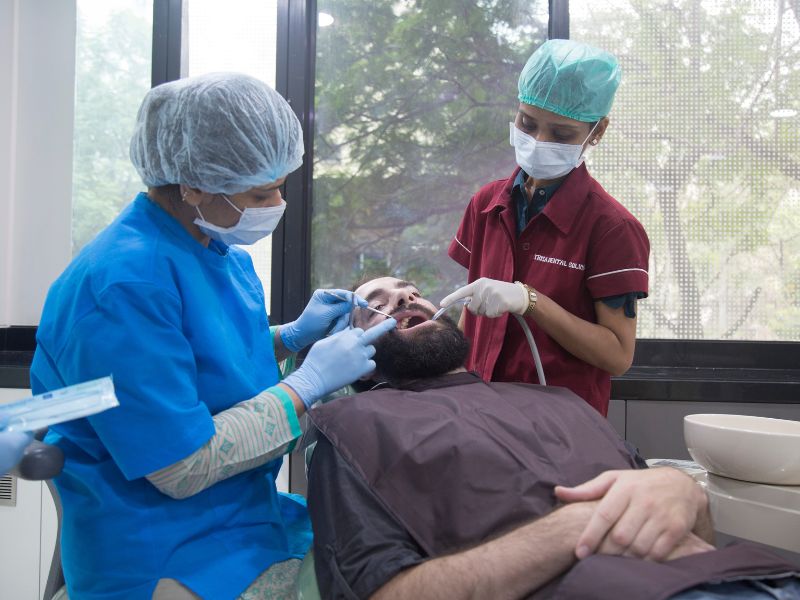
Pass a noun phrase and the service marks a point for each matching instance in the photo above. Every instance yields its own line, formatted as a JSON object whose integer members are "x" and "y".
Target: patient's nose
{"x": 405, "y": 297}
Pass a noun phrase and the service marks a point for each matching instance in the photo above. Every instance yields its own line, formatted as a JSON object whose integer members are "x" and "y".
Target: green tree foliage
{"x": 112, "y": 76}
{"x": 412, "y": 105}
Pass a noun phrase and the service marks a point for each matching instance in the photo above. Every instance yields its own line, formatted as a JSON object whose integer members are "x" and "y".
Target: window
{"x": 412, "y": 108}
{"x": 114, "y": 48}
{"x": 112, "y": 74}
{"x": 703, "y": 149}
{"x": 241, "y": 36}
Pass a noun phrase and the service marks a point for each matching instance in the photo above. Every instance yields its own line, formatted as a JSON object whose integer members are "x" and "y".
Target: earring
{"x": 594, "y": 142}
{"x": 183, "y": 196}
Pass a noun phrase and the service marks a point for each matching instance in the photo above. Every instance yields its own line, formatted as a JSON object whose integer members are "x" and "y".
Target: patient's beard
{"x": 430, "y": 352}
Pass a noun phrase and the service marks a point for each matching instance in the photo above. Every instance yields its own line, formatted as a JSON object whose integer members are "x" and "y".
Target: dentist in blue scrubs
{"x": 172, "y": 494}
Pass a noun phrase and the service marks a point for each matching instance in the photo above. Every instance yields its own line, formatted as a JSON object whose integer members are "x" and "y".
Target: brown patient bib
{"x": 458, "y": 461}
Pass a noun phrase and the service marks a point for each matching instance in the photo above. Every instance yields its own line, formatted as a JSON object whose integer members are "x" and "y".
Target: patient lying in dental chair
{"x": 435, "y": 484}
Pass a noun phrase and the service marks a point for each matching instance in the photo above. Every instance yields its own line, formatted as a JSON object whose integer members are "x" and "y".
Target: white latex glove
{"x": 491, "y": 298}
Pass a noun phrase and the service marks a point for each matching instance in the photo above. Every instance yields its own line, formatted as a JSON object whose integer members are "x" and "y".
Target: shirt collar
{"x": 502, "y": 199}
{"x": 167, "y": 222}
{"x": 566, "y": 203}
{"x": 522, "y": 177}
{"x": 519, "y": 180}
{"x": 569, "y": 199}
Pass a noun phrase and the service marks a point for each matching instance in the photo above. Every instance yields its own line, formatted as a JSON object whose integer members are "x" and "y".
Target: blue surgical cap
{"x": 571, "y": 79}
{"x": 221, "y": 133}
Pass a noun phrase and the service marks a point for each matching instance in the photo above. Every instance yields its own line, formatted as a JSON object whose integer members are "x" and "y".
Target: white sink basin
{"x": 755, "y": 449}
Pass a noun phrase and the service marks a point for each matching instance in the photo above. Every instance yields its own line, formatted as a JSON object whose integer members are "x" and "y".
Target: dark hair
{"x": 429, "y": 354}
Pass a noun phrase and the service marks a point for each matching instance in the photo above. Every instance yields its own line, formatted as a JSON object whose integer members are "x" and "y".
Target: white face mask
{"x": 546, "y": 160}
{"x": 253, "y": 225}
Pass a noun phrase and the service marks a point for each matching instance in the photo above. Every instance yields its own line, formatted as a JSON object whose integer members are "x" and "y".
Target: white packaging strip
{"x": 65, "y": 404}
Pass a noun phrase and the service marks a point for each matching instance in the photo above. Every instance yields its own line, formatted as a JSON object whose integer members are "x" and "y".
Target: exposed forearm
{"x": 281, "y": 351}
{"x": 511, "y": 566}
{"x": 591, "y": 342}
{"x": 247, "y": 436}
{"x": 704, "y": 527}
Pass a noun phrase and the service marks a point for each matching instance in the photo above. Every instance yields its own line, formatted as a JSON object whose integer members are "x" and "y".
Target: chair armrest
{"x": 39, "y": 462}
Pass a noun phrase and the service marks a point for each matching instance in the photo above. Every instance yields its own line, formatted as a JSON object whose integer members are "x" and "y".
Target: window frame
{"x": 291, "y": 258}
{"x": 168, "y": 20}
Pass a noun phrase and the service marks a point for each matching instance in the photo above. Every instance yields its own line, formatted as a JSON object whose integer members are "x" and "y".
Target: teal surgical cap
{"x": 221, "y": 133}
{"x": 570, "y": 79}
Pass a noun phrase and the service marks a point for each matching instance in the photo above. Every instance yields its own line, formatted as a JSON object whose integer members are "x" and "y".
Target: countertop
{"x": 712, "y": 371}
{"x": 17, "y": 345}
{"x": 663, "y": 370}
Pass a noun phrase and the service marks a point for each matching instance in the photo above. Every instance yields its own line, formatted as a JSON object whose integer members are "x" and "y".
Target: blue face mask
{"x": 254, "y": 224}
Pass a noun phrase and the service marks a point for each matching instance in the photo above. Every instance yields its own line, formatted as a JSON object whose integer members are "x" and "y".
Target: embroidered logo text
{"x": 560, "y": 262}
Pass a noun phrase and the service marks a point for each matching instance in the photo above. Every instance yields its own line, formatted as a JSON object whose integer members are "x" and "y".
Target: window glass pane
{"x": 703, "y": 148}
{"x": 241, "y": 36}
{"x": 112, "y": 73}
{"x": 413, "y": 101}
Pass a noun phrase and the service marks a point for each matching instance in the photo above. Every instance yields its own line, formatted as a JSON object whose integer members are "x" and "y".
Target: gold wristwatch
{"x": 531, "y": 299}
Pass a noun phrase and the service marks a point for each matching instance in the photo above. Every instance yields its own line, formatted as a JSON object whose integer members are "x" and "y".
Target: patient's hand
{"x": 643, "y": 513}
{"x": 689, "y": 545}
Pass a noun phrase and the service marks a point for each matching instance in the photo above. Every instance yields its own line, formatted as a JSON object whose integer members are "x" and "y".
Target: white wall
{"x": 37, "y": 90}
{"x": 27, "y": 533}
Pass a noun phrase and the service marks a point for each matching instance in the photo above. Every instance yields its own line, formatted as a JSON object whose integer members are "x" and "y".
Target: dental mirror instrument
{"x": 368, "y": 307}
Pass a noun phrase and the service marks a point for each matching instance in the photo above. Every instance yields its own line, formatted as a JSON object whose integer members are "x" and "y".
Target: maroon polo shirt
{"x": 582, "y": 247}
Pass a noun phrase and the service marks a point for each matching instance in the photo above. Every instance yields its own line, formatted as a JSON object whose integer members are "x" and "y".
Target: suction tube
{"x": 534, "y": 350}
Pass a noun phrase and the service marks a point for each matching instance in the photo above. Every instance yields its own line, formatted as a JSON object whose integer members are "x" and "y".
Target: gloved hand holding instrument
{"x": 336, "y": 361}
{"x": 492, "y": 298}
{"x": 327, "y": 312}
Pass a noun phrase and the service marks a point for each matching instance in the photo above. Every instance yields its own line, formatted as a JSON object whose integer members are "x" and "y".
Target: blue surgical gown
{"x": 183, "y": 330}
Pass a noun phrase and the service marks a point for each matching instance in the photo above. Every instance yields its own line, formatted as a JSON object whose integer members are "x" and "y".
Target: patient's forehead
{"x": 382, "y": 284}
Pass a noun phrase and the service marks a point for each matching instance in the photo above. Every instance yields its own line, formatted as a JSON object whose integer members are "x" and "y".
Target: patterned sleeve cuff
{"x": 288, "y": 407}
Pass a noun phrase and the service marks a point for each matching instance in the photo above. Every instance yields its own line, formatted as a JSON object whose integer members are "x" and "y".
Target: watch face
{"x": 531, "y": 301}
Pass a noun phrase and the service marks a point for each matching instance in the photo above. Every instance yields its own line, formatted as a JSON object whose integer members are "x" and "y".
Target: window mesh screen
{"x": 703, "y": 148}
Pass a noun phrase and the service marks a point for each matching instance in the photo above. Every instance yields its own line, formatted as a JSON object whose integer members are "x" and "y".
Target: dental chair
{"x": 43, "y": 462}
{"x": 307, "y": 580}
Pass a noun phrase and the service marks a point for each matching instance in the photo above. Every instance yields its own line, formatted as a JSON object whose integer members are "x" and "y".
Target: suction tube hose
{"x": 534, "y": 349}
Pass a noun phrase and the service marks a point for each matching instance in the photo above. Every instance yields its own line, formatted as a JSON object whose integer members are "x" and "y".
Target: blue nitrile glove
{"x": 12, "y": 444}
{"x": 336, "y": 361}
{"x": 325, "y": 313}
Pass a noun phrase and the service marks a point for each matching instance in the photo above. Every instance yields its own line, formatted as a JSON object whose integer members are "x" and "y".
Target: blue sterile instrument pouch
{"x": 65, "y": 404}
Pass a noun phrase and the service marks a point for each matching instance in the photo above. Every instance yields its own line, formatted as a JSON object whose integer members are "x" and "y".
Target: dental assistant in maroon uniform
{"x": 549, "y": 243}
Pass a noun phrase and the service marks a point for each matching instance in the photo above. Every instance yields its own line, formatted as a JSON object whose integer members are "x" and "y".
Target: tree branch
{"x": 740, "y": 321}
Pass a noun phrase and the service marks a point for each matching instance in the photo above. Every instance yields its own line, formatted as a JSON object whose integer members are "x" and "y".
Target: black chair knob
{"x": 39, "y": 462}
